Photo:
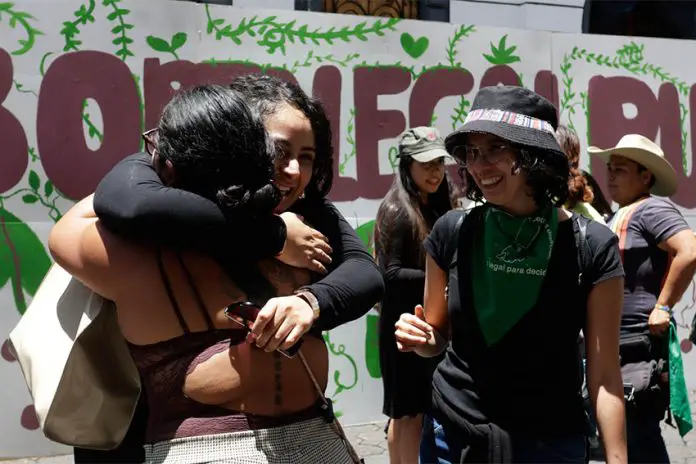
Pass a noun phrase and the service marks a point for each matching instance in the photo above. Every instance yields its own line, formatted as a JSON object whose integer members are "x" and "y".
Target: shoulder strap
{"x": 454, "y": 242}
{"x": 585, "y": 254}
{"x": 196, "y": 293}
{"x": 170, "y": 293}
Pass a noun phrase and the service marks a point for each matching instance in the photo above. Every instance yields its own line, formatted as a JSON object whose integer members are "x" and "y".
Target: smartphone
{"x": 244, "y": 314}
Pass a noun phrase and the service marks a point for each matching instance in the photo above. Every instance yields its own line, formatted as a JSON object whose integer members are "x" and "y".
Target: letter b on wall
{"x": 73, "y": 167}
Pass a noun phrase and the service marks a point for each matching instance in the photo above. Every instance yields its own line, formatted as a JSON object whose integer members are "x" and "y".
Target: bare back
{"x": 239, "y": 377}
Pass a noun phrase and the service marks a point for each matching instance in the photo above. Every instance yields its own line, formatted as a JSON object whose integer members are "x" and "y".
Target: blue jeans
{"x": 440, "y": 445}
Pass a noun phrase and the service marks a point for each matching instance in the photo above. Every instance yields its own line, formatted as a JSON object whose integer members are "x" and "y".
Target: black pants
{"x": 130, "y": 450}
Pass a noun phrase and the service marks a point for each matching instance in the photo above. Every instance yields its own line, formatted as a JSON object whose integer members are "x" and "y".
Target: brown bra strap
{"x": 196, "y": 293}
{"x": 170, "y": 293}
{"x": 172, "y": 298}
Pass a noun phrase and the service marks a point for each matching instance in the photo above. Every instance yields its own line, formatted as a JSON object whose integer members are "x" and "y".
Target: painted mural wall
{"x": 81, "y": 79}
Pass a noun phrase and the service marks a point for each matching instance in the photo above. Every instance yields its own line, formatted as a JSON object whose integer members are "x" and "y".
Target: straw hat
{"x": 645, "y": 152}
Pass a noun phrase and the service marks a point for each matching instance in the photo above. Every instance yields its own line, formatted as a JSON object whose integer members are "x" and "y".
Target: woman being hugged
{"x": 507, "y": 292}
{"x": 420, "y": 194}
{"x": 212, "y": 396}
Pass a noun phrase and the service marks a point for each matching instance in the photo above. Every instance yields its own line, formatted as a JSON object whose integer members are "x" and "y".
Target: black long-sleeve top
{"x": 402, "y": 263}
{"x": 132, "y": 202}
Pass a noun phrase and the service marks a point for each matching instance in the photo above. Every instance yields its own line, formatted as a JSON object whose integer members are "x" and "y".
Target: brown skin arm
{"x": 435, "y": 302}
{"x": 86, "y": 250}
{"x": 682, "y": 247}
{"x": 604, "y": 307}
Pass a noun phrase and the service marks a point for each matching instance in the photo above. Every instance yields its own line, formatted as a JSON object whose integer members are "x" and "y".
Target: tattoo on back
{"x": 278, "y": 371}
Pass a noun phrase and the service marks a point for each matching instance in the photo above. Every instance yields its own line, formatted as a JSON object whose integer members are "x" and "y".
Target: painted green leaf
{"x": 178, "y": 40}
{"x": 366, "y": 234}
{"x": 23, "y": 258}
{"x": 34, "y": 180}
{"x": 30, "y": 199}
{"x": 372, "y": 346}
{"x": 157, "y": 44}
{"x": 48, "y": 188}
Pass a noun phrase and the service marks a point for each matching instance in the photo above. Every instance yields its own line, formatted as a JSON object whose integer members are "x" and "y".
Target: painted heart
{"x": 413, "y": 47}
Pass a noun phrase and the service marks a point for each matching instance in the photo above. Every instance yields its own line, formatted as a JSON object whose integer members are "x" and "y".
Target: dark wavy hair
{"x": 599, "y": 202}
{"x": 402, "y": 203}
{"x": 546, "y": 173}
{"x": 578, "y": 188}
{"x": 219, "y": 148}
{"x": 266, "y": 93}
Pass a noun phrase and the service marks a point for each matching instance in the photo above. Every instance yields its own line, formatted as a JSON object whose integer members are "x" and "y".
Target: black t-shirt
{"x": 529, "y": 382}
{"x": 652, "y": 222}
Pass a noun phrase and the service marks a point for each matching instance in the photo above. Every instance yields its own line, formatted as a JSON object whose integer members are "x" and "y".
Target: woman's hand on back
{"x": 304, "y": 247}
{"x": 282, "y": 322}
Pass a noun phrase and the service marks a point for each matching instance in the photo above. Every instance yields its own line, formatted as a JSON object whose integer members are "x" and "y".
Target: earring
{"x": 301, "y": 197}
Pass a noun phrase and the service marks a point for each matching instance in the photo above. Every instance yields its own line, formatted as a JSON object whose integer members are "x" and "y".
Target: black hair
{"x": 219, "y": 148}
{"x": 546, "y": 173}
{"x": 402, "y": 203}
{"x": 599, "y": 202}
{"x": 266, "y": 93}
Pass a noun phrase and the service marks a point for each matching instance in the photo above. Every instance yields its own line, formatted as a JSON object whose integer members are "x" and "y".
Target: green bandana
{"x": 510, "y": 261}
{"x": 678, "y": 393}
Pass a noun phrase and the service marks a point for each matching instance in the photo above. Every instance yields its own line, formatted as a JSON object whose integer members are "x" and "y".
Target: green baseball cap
{"x": 423, "y": 144}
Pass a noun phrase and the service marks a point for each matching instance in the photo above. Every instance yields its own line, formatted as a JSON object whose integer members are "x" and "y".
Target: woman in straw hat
{"x": 530, "y": 275}
{"x": 659, "y": 256}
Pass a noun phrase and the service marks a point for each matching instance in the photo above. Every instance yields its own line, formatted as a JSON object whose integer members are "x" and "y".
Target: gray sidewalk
{"x": 370, "y": 442}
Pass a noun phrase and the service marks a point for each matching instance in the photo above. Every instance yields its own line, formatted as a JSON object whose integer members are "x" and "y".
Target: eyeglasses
{"x": 151, "y": 137}
{"x": 466, "y": 155}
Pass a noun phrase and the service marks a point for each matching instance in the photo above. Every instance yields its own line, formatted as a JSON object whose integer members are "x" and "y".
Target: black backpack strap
{"x": 585, "y": 255}
{"x": 454, "y": 241}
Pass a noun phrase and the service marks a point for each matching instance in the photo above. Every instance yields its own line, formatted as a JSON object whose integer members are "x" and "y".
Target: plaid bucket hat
{"x": 515, "y": 114}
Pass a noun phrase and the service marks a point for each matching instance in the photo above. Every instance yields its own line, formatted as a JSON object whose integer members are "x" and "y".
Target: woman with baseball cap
{"x": 507, "y": 291}
{"x": 658, "y": 250}
{"x": 420, "y": 194}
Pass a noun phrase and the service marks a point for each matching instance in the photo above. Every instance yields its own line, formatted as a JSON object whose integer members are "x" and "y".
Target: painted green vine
{"x": 630, "y": 58}
{"x": 121, "y": 28}
{"x": 305, "y": 62}
{"x": 463, "y": 105}
{"x": 19, "y": 87}
{"x": 351, "y": 142}
{"x": 71, "y": 29}
{"x": 45, "y": 194}
{"x": 21, "y": 19}
{"x": 311, "y": 59}
{"x": 274, "y": 35}
{"x": 340, "y": 351}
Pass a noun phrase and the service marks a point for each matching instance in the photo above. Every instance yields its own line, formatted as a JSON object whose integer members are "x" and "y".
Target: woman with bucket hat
{"x": 420, "y": 194}
{"x": 507, "y": 290}
{"x": 658, "y": 250}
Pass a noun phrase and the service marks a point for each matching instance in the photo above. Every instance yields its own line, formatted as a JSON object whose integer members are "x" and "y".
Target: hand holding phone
{"x": 244, "y": 314}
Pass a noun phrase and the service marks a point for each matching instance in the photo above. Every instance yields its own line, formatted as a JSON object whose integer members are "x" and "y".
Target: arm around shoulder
{"x": 81, "y": 246}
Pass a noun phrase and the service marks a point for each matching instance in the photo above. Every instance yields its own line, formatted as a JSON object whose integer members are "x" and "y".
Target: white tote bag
{"x": 76, "y": 364}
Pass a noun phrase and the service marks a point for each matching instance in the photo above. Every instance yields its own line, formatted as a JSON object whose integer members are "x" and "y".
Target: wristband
{"x": 664, "y": 308}
{"x": 311, "y": 301}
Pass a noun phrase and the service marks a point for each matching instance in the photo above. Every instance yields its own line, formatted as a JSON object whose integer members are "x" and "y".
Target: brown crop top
{"x": 163, "y": 367}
